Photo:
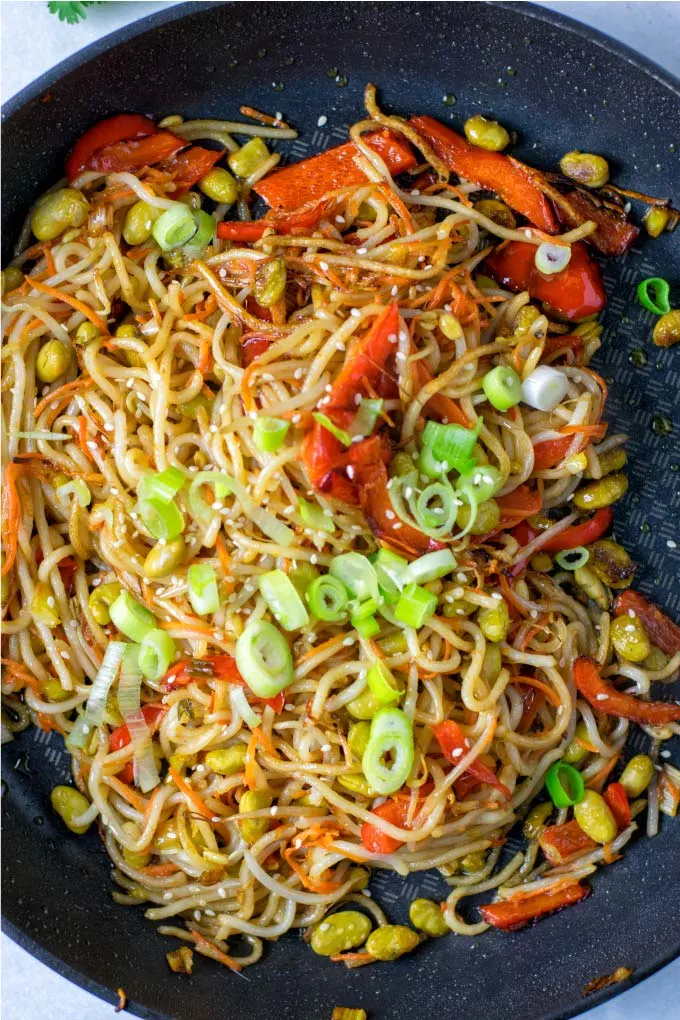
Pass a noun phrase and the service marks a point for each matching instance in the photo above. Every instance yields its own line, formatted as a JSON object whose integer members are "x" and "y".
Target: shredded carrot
{"x": 122, "y": 1000}
{"x": 196, "y": 802}
{"x": 196, "y": 626}
{"x": 588, "y": 746}
{"x": 313, "y": 884}
{"x": 160, "y": 870}
{"x": 127, "y": 793}
{"x": 598, "y": 780}
{"x": 610, "y": 856}
{"x": 210, "y": 949}
{"x": 531, "y": 681}
{"x": 47, "y": 723}
{"x": 594, "y": 431}
{"x": 355, "y": 958}
{"x": 68, "y": 388}
{"x": 82, "y": 436}
{"x": 535, "y": 629}
{"x": 11, "y": 514}
{"x": 225, "y": 563}
{"x": 205, "y": 359}
{"x": 509, "y": 596}
{"x": 19, "y": 672}
{"x": 263, "y": 118}
{"x": 68, "y": 299}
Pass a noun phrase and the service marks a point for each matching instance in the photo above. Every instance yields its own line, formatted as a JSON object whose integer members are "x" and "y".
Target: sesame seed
{"x": 324, "y": 266}
{"x": 601, "y": 697}
{"x": 348, "y": 641}
{"x": 355, "y": 313}
{"x": 322, "y": 121}
{"x": 361, "y": 251}
{"x": 671, "y": 544}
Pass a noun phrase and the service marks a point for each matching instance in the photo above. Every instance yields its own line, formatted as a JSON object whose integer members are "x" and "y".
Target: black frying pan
{"x": 561, "y": 86}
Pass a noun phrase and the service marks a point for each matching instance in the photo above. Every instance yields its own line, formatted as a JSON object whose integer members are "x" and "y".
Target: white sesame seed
{"x": 671, "y": 544}
{"x": 323, "y": 266}
{"x": 322, "y": 121}
{"x": 361, "y": 251}
{"x": 601, "y": 697}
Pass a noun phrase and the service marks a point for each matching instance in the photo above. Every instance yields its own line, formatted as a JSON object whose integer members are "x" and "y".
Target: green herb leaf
{"x": 71, "y": 12}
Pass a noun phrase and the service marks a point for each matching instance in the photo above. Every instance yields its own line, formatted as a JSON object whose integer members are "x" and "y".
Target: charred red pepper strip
{"x": 252, "y": 347}
{"x": 511, "y": 914}
{"x": 454, "y": 745}
{"x": 517, "y": 184}
{"x": 577, "y": 292}
{"x": 605, "y": 698}
{"x": 365, "y": 363}
{"x": 313, "y": 178}
{"x": 120, "y": 737}
{"x": 550, "y": 452}
{"x": 617, "y": 799}
{"x": 662, "y": 632}
{"x": 135, "y": 154}
{"x": 563, "y": 843}
{"x": 326, "y": 459}
{"x": 614, "y": 234}
{"x": 286, "y": 223}
{"x": 520, "y": 503}
{"x": 377, "y": 841}
{"x": 570, "y": 538}
{"x": 219, "y": 667}
{"x": 189, "y": 167}
{"x": 67, "y": 569}
{"x": 121, "y": 128}
{"x": 370, "y": 477}
{"x": 565, "y": 342}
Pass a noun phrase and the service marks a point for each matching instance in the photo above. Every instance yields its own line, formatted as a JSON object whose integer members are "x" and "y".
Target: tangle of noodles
{"x": 173, "y": 390}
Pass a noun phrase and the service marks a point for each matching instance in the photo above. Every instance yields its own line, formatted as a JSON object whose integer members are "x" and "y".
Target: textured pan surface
{"x": 560, "y": 86}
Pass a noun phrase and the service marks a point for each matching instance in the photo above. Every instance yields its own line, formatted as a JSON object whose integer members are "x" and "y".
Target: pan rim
{"x": 177, "y": 12}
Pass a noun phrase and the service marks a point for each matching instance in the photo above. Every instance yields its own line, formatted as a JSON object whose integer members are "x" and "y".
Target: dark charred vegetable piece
{"x": 121, "y": 128}
{"x": 661, "y": 630}
{"x": 313, "y": 178}
{"x": 605, "y": 698}
{"x": 614, "y": 234}
{"x": 326, "y": 460}
{"x": 576, "y": 292}
{"x": 136, "y": 153}
{"x": 519, "y": 911}
{"x": 518, "y": 185}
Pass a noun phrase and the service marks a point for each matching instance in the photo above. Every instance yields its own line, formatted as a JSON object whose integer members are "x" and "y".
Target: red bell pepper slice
{"x": 286, "y": 223}
{"x": 120, "y": 737}
{"x": 393, "y": 811}
{"x": 617, "y": 799}
{"x": 516, "y": 183}
{"x": 614, "y": 234}
{"x": 551, "y": 452}
{"x": 439, "y": 406}
{"x": 189, "y": 167}
{"x": 67, "y": 569}
{"x": 578, "y": 534}
{"x": 326, "y": 459}
{"x": 520, "y": 503}
{"x": 454, "y": 745}
{"x": 365, "y": 363}
{"x": 252, "y": 347}
{"x": 520, "y": 910}
{"x": 313, "y": 178}
{"x": 564, "y": 342}
{"x": 577, "y": 292}
{"x": 662, "y": 631}
{"x": 563, "y": 843}
{"x": 135, "y": 154}
{"x": 370, "y": 477}
{"x": 120, "y": 128}
{"x": 532, "y": 701}
{"x": 605, "y": 698}
{"x": 220, "y": 667}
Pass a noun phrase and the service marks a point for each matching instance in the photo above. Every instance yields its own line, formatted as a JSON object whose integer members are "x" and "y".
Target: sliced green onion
{"x": 162, "y": 520}
{"x": 389, "y": 755}
{"x": 76, "y": 487}
{"x": 483, "y": 483}
{"x": 452, "y": 444}
{"x": 431, "y": 567}
{"x": 331, "y": 427}
{"x": 269, "y": 433}
{"x": 282, "y": 599}
{"x": 436, "y": 507}
{"x": 382, "y": 684}
{"x": 415, "y": 606}
{"x": 45, "y": 436}
{"x": 205, "y": 233}
{"x": 653, "y": 295}
{"x": 357, "y": 573}
{"x": 163, "y": 485}
{"x": 429, "y": 466}
{"x": 572, "y": 559}
{"x": 502, "y": 387}
{"x": 174, "y": 227}
{"x": 156, "y": 652}
{"x": 315, "y": 517}
{"x": 203, "y": 593}
{"x": 131, "y": 617}
{"x": 224, "y": 485}
{"x": 96, "y": 703}
{"x": 544, "y": 388}
{"x": 327, "y": 598}
{"x": 565, "y": 784}
{"x": 366, "y": 417}
{"x": 367, "y": 627}
{"x": 360, "y": 610}
{"x": 264, "y": 659}
{"x": 550, "y": 258}
{"x": 241, "y": 707}
{"x": 391, "y": 571}
{"x": 129, "y": 693}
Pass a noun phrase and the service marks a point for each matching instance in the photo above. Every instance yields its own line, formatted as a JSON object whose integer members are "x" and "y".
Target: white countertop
{"x": 29, "y": 990}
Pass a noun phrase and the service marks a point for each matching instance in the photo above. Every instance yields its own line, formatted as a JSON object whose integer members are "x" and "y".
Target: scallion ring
{"x": 327, "y": 598}
{"x": 452, "y": 444}
{"x": 382, "y": 684}
{"x": 264, "y": 659}
{"x": 156, "y": 652}
{"x": 435, "y": 507}
{"x": 357, "y": 573}
{"x": 389, "y": 755}
{"x": 431, "y": 566}
{"x": 269, "y": 433}
{"x": 175, "y": 227}
{"x": 315, "y": 517}
{"x": 203, "y": 593}
{"x": 162, "y": 520}
{"x": 367, "y": 627}
{"x": 565, "y": 784}
{"x": 392, "y": 573}
{"x": 653, "y": 295}
{"x": 163, "y": 485}
{"x": 572, "y": 559}
{"x": 415, "y": 606}
{"x": 131, "y": 617}
{"x": 481, "y": 484}
{"x": 552, "y": 258}
{"x": 75, "y": 487}
{"x": 283, "y": 600}
{"x": 502, "y": 387}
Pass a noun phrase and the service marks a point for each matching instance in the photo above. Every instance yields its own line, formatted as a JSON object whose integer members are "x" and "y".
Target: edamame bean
{"x": 427, "y": 916}
{"x": 227, "y": 761}
{"x": 338, "y": 933}
{"x": 637, "y": 775}
{"x": 70, "y": 804}
{"x": 253, "y": 828}
{"x": 391, "y": 941}
{"x": 595, "y": 818}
